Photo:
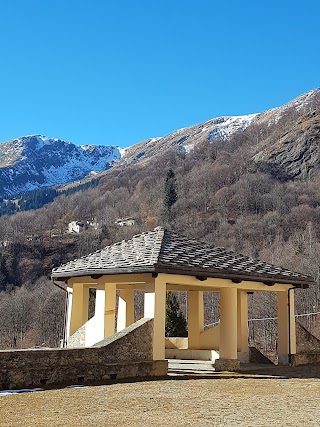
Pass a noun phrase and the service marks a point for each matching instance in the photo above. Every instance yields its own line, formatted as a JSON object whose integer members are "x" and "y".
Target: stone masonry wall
{"x": 127, "y": 354}
{"x": 78, "y": 339}
{"x": 308, "y": 347}
{"x": 306, "y": 342}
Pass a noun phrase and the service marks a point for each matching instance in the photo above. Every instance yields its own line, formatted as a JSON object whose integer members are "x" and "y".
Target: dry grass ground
{"x": 252, "y": 401}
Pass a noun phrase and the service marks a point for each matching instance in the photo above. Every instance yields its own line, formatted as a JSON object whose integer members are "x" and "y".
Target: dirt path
{"x": 232, "y": 402}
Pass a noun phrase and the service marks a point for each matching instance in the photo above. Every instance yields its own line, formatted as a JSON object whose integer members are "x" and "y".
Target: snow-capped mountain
{"x": 186, "y": 138}
{"x": 284, "y": 143}
{"x": 35, "y": 161}
{"x": 220, "y": 128}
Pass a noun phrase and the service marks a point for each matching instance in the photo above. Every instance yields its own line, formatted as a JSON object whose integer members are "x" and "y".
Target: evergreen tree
{"x": 170, "y": 192}
{"x": 176, "y": 325}
{"x": 3, "y": 273}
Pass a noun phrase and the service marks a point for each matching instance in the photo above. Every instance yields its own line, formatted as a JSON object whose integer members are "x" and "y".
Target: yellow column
{"x": 228, "y": 323}
{"x": 155, "y": 307}
{"x": 242, "y": 327}
{"x": 79, "y": 308}
{"x": 195, "y": 318}
{"x": 286, "y": 326}
{"x": 125, "y": 309}
{"x": 69, "y": 309}
{"x": 109, "y": 309}
{"x": 99, "y": 314}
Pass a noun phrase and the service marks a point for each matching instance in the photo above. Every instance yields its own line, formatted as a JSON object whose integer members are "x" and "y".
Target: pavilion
{"x": 159, "y": 261}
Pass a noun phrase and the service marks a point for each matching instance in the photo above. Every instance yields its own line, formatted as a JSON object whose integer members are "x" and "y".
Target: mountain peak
{"x": 34, "y": 161}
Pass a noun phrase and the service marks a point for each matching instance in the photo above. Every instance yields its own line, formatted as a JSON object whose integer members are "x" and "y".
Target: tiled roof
{"x": 163, "y": 251}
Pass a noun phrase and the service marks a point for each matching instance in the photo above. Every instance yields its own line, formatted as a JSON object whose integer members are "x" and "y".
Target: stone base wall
{"x": 306, "y": 342}
{"x": 305, "y": 359}
{"x": 127, "y": 354}
{"x": 59, "y": 376}
{"x": 232, "y": 365}
{"x": 78, "y": 339}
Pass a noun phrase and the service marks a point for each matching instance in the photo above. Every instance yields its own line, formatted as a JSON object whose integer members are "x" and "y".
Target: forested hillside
{"x": 257, "y": 193}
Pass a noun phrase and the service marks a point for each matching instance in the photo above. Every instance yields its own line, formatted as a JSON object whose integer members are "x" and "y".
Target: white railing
{"x": 263, "y": 331}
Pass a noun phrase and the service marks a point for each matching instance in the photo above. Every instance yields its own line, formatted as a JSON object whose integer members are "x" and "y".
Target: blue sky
{"x": 120, "y": 71}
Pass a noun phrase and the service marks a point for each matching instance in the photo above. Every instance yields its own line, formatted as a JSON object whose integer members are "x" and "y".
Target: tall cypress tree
{"x": 170, "y": 192}
{"x": 3, "y": 273}
{"x": 176, "y": 325}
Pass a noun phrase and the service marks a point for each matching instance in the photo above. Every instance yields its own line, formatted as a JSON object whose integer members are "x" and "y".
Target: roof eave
{"x": 98, "y": 272}
{"x": 268, "y": 280}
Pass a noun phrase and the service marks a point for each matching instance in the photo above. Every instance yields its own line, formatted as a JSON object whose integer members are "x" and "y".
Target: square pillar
{"x": 125, "y": 309}
{"x": 228, "y": 324}
{"x": 79, "y": 307}
{"x": 195, "y": 319}
{"x": 242, "y": 327}
{"x": 149, "y": 301}
{"x": 69, "y": 308}
{"x": 286, "y": 326}
{"x": 155, "y": 308}
{"x": 109, "y": 309}
{"x": 99, "y": 314}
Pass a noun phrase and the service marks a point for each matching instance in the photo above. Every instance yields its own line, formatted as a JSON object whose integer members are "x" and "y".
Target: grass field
{"x": 253, "y": 401}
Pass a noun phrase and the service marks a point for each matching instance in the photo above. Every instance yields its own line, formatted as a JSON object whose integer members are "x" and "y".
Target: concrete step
{"x": 190, "y": 367}
{"x": 189, "y": 354}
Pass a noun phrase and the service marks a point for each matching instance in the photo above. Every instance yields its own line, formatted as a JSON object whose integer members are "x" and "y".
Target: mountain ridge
{"x": 35, "y": 161}
{"x": 32, "y": 162}
{"x": 219, "y": 128}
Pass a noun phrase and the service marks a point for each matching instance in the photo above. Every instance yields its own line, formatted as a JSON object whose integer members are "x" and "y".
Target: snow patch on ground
{"x": 31, "y": 390}
{"x": 22, "y": 390}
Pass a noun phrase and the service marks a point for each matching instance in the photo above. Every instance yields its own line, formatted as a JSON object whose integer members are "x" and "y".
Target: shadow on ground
{"x": 304, "y": 371}
{"x": 204, "y": 369}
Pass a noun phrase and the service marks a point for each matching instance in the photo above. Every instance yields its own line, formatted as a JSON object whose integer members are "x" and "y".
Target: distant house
{"x": 125, "y": 221}
{"x": 79, "y": 226}
{"x": 76, "y": 227}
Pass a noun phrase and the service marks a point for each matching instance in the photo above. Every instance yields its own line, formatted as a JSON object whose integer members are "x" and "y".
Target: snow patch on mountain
{"x": 44, "y": 140}
{"x": 122, "y": 151}
{"x": 224, "y": 127}
{"x": 307, "y": 99}
{"x": 36, "y": 161}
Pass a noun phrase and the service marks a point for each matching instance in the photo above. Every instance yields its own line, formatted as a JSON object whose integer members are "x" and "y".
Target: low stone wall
{"x": 232, "y": 365}
{"x": 306, "y": 342}
{"x": 78, "y": 339}
{"x": 127, "y": 354}
{"x": 308, "y": 348}
{"x": 255, "y": 356}
{"x": 305, "y": 359}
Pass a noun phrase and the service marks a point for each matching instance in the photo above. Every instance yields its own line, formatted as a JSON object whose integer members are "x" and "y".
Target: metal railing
{"x": 263, "y": 331}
